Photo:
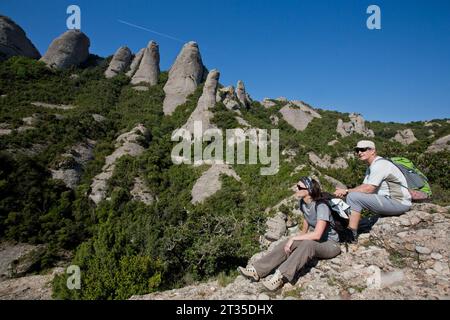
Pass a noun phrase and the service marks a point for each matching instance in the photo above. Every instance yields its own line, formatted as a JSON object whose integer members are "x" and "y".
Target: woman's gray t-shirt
{"x": 323, "y": 213}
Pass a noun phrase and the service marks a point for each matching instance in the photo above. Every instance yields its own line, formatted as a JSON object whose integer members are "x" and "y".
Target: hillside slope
{"x": 126, "y": 247}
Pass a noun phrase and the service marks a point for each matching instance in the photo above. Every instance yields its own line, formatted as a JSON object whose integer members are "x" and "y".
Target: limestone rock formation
{"x": 14, "y": 41}
{"x": 267, "y": 103}
{"x": 325, "y": 162}
{"x": 206, "y": 102}
{"x": 332, "y": 142}
{"x": 184, "y": 76}
{"x": 405, "y": 136}
{"x": 227, "y": 95}
{"x": 289, "y": 153}
{"x": 209, "y": 183}
{"x": 52, "y": 106}
{"x": 274, "y": 119}
{"x": 126, "y": 144}
{"x": 355, "y": 125}
{"x": 140, "y": 192}
{"x": 306, "y": 108}
{"x": 334, "y": 182}
{"x": 148, "y": 71}
{"x": 440, "y": 144}
{"x": 140, "y": 88}
{"x": 242, "y": 122}
{"x": 16, "y": 258}
{"x": 298, "y": 115}
{"x": 242, "y": 95}
{"x": 69, "y": 49}
{"x": 98, "y": 118}
{"x": 135, "y": 63}
{"x": 5, "y": 129}
{"x": 70, "y": 168}
{"x": 119, "y": 63}
{"x": 276, "y": 227}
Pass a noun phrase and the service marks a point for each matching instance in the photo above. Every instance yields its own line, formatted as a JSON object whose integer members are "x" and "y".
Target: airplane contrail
{"x": 152, "y": 31}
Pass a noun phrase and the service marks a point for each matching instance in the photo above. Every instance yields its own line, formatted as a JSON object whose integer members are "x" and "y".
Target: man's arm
{"x": 364, "y": 188}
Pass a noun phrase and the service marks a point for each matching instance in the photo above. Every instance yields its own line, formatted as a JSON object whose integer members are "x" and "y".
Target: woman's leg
{"x": 303, "y": 252}
{"x": 270, "y": 261}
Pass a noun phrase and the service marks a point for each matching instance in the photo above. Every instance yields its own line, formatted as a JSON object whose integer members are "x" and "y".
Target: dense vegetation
{"x": 124, "y": 247}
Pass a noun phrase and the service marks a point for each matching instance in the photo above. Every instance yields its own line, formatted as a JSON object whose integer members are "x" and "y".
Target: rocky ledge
{"x": 402, "y": 257}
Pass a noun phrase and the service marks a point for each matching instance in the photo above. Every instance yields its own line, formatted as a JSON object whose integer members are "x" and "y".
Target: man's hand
{"x": 340, "y": 193}
{"x": 287, "y": 247}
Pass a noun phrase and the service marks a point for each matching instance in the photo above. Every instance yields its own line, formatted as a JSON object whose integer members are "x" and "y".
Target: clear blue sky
{"x": 317, "y": 51}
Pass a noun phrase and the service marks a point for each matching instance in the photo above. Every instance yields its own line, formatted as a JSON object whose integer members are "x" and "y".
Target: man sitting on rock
{"x": 382, "y": 191}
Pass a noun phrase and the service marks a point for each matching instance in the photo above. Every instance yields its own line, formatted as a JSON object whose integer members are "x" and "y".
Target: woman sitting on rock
{"x": 321, "y": 241}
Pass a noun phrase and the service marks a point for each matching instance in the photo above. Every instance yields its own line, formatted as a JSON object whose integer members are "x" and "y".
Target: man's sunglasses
{"x": 361, "y": 149}
{"x": 301, "y": 188}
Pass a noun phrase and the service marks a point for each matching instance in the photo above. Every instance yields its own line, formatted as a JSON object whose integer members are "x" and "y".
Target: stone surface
{"x": 276, "y": 227}
{"x": 69, "y": 49}
{"x": 440, "y": 144}
{"x": 336, "y": 183}
{"x": 126, "y": 144}
{"x": 267, "y": 103}
{"x": 16, "y": 258}
{"x": 242, "y": 95}
{"x": 70, "y": 168}
{"x": 140, "y": 192}
{"x": 242, "y": 122}
{"x": 333, "y": 142}
{"x": 227, "y": 95}
{"x": 205, "y": 103}
{"x": 184, "y": 76}
{"x": 140, "y": 88}
{"x": 325, "y": 162}
{"x": 148, "y": 71}
{"x": 52, "y": 106}
{"x": 135, "y": 63}
{"x": 14, "y": 41}
{"x": 35, "y": 287}
{"x": 98, "y": 118}
{"x": 405, "y": 137}
{"x": 274, "y": 119}
{"x": 209, "y": 183}
{"x": 355, "y": 125}
{"x": 298, "y": 115}
{"x": 119, "y": 63}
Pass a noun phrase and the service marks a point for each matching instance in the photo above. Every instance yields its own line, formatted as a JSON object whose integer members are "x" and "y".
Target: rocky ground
{"x": 16, "y": 267}
{"x": 404, "y": 257}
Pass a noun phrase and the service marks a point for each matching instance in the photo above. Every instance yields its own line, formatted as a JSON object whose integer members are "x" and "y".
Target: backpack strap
{"x": 397, "y": 183}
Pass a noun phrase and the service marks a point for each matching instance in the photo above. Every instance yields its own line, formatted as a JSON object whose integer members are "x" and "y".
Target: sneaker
{"x": 274, "y": 282}
{"x": 249, "y": 272}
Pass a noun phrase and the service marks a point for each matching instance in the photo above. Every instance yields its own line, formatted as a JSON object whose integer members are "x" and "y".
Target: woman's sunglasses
{"x": 300, "y": 188}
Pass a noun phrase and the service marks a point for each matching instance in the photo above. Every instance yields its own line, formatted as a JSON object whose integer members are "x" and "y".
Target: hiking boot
{"x": 274, "y": 282}
{"x": 249, "y": 272}
{"x": 350, "y": 236}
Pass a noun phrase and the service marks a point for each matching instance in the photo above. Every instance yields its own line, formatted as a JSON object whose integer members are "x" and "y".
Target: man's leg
{"x": 374, "y": 203}
{"x": 354, "y": 219}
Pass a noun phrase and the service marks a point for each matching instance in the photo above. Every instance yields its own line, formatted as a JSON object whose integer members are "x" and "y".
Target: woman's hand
{"x": 287, "y": 247}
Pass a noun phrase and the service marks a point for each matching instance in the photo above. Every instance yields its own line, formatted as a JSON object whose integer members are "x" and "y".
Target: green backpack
{"x": 418, "y": 185}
